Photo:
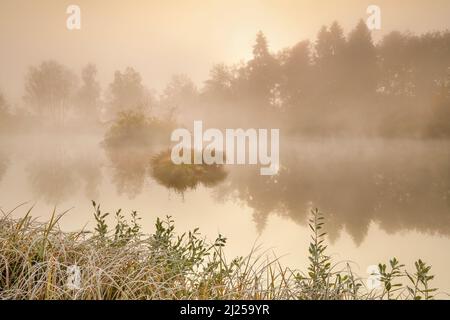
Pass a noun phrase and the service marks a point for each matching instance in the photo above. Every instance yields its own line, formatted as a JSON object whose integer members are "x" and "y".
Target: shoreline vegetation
{"x": 39, "y": 261}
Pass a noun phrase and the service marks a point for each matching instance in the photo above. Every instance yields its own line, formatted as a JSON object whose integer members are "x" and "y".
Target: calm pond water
{"x": 381, "y": 198}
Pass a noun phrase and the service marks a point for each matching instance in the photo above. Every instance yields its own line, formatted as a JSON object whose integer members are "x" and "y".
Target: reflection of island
{"x": 399, "y": 185}
{"x": 185, "y": 176}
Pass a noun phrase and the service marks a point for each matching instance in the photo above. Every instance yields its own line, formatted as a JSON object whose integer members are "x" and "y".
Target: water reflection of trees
{"x": 58, "y": 177}
{"x": 52, "y": 179}
{"x": 89, "y": 172}
{"x": 129, "y": 170}
{"x": 4, "y": 163}
{"x": 400, "y": 187}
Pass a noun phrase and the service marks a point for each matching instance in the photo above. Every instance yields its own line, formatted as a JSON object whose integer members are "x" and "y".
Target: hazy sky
{"x": 160, "y": 38}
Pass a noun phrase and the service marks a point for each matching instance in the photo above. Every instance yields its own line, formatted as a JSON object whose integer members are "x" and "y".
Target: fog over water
{"x": 364, "y": 120}
{"x": 391, "y": 196}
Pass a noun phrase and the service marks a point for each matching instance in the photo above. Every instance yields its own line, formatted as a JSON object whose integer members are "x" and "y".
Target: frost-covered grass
{"x": 39, "y": 261}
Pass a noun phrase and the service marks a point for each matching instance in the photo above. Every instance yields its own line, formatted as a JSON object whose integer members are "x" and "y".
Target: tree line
{"x": 338, "y": 84}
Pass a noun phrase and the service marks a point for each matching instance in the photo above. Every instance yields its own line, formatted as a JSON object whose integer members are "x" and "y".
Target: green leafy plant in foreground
{"x": 420, "y": 281}
{"x": 323, "y": 280}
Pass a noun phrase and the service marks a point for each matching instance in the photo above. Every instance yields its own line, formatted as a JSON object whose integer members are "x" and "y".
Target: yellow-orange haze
{"x": 160, "y": 38}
